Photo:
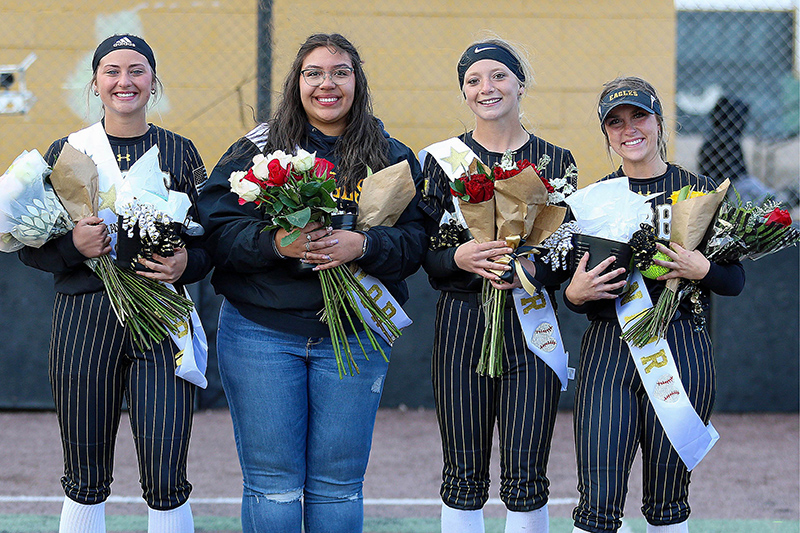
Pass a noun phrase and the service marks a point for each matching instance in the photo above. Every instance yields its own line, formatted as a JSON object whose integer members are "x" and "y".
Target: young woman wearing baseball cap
{"x": 493, "y": 77}
{"x": 614, "y": 414}
{"x": 94, "y": 364}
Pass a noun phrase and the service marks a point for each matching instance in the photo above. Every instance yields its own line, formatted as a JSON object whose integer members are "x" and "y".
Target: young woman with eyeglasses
{"x": 303, "y": 434}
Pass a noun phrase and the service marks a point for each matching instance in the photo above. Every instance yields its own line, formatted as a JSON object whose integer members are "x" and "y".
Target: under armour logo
{"x": 126, "y": 157}
{"x": 124, "y": 41}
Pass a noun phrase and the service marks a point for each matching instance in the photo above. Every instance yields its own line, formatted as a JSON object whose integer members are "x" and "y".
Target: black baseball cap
{"x": 627, "y": 95}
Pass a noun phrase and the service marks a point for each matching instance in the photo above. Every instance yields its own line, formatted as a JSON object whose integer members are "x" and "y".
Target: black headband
{"x": 123, "y": 42}
{"x": 479, "y": 51}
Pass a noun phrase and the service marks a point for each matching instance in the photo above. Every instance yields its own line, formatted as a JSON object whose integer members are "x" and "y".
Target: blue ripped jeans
{"x": 303, "y": 435}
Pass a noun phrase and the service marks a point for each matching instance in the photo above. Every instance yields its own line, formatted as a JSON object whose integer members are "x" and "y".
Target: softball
{"x": 655, "y": 270}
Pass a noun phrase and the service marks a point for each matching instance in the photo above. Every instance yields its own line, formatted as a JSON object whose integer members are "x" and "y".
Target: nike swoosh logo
{"x": 479, "y": 50}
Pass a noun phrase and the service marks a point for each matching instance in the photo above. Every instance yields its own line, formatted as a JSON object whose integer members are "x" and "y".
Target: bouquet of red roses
{"x": 501, "y": 202}
{"x": 294, "y": 190}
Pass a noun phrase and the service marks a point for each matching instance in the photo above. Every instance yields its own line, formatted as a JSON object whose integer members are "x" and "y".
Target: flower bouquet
{"x": 30, "y": 212}
{"x": 607, "y": 213}
{"x": 296, "y": 190}
{"x": 149, "y": 308}
{"x": 501, "y": 203}
{"x": 692, "y": 213}
{"x": 747, "y": 230}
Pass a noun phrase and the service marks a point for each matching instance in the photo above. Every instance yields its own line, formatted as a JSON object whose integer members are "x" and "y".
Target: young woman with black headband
{"x": 94, "y": 364}
{"x": 614, "y": 413}
{"x": 492, "y": 77}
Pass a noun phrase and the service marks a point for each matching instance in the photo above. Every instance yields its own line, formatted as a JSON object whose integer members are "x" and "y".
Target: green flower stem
{"x": 491, "y": 359}
{"x": 340, "y": 288}
{"x": 654, "y": 321}
{"x": 148, "y": 308}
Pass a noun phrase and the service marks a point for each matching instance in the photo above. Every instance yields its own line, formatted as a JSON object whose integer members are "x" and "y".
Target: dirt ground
{"x": 752, "y": 473}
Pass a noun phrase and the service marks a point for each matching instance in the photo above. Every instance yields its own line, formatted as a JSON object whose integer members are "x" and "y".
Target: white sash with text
{"x": 687, "y": 433}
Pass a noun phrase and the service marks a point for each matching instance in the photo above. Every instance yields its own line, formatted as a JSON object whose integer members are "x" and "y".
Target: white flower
{"x": 260, "y": 167}
{"x": 303, "y": 161}
{"x": 28, "y": 167}
{"x": 247, "y": 190}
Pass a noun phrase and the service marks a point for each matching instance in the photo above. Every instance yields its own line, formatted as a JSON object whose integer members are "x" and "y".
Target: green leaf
{"x": 310, "y": 189}
{"x": 459, "y": 187}
{"x": 290, "y": 238}
{"x": 299, "y": 218}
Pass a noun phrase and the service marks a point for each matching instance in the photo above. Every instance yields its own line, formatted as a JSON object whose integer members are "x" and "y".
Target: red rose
{"x": 252, "y": 178}
{"x": 479, "y": 188}
{"x": 779, "y": 216}
{"x": 499, "y": 174}
{"x": 547, "y": 185}
{"x": 277, "y": 174}
{"x": 322, "y": 167}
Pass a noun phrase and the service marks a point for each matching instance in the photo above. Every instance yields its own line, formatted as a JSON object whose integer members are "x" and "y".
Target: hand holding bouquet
{"x": 295, "y": 191}
{"x": 32, "y": 211}
{"x": 501, "y": 203}
{"x": 692, "y": 213}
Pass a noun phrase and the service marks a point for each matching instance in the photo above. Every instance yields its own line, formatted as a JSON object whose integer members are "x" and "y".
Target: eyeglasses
{"x": 315, "y": 77}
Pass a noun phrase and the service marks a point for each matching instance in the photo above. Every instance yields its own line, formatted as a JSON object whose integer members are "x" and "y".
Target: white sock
{"x": 458, "y": 521}
{"x": 79, "y": 518}
{"x": 537, "y": 521}
{"x": 178, "y": 520}
{"x": 683, "y": 527}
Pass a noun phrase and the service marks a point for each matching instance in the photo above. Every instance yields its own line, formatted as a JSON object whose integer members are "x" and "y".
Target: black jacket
{"x": 266, "y": 288}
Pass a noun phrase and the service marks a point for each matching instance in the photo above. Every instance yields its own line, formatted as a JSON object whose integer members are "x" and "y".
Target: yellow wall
{"x": 206, "y": 59}
{"x": 411, "y": 50}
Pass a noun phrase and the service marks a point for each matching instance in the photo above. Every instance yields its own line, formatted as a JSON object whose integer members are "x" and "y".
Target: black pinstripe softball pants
{"x": 93, "y": 366}
{"x": 522, "y": 402}
{"x": 614, "y": 417}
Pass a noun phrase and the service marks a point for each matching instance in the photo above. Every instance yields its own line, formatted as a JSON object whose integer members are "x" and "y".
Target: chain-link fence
{"x": 737, "y": 93}
{"x": 222, "y": 63}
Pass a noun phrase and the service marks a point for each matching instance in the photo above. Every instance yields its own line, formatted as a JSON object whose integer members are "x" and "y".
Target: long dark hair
{"x": 361, "y": 145}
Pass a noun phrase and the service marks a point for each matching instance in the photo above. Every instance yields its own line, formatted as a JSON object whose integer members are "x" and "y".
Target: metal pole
{"x": 264, "y": 60}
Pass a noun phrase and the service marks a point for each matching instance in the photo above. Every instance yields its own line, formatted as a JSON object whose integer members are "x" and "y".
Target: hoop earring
{"x": 96, "y": 93}
{"x": 153, "y": 91}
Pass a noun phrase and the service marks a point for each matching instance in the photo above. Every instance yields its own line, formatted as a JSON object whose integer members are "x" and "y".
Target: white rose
{"x": 283, "y": 158}
{"x": 303, "y": 161}
{"x": 247, "y": 190}
{"x": 27, "y": 168}
{"x": 260, "y": 167}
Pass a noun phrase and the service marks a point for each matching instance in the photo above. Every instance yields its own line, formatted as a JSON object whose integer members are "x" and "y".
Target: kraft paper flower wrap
{"x": 150, "y": 309}
{"x": 479, "y": 215}
{"x": 76, "y": 182}
{"x": 691, "y": 219}
{"x": 384, "y": 196}
{"x": 518, "y": 202}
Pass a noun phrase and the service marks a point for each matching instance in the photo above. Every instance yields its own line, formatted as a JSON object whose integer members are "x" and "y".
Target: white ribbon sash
{"x": 192, "y": 357}
{"x": 542, "y": 335}
{"x": 454, "y": 158}
{"x": 381, "y": 296}
{"x": 690, "y": 437}
{"x": 93, "y": 142}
